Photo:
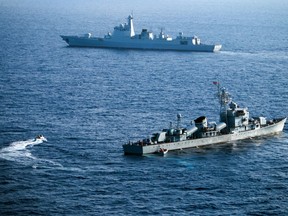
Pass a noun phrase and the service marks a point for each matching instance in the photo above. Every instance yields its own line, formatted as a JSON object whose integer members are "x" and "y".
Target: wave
{"x": 19, "y": 152}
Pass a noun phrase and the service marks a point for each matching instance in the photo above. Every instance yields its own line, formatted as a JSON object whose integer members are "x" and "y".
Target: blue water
{"x": 88, "y": 102}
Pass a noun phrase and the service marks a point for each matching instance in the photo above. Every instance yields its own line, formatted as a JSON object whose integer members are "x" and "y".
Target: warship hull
{"x": 132, "y": 43}
{"x": 137, "y": 149}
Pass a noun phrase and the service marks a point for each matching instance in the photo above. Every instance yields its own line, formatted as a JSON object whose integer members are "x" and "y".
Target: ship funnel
{"x": 201, "y": 122}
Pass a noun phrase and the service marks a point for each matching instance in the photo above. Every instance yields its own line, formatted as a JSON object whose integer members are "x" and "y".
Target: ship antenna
{"x": 223, "y": 95}
{"x": 224, "y": 98}
{"x": 179, "y": 117}
{"x": 170, "y": 125}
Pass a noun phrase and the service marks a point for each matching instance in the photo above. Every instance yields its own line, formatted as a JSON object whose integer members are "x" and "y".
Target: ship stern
{"x": 130, "y": 149}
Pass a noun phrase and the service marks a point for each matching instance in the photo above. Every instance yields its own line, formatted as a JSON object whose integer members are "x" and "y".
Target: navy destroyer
{"x": 235, "y": 124}
{"x": 124, "y": 37}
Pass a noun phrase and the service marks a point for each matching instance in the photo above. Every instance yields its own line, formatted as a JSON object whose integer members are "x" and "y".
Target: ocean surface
{"x": 88, "y": 102}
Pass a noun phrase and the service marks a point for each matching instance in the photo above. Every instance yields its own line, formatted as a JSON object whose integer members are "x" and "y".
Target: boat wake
{"x": 21, "y": 145}
{"x": 20, "y": 152}
{"x": 263, "y": 54}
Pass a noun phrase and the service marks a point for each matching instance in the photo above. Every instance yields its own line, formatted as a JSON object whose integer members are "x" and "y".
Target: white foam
{"x": 19, "y": 152}
{"x": 21, "y": 145}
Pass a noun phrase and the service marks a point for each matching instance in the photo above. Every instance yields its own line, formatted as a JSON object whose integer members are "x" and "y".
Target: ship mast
{"x": 131, "y": 26}
{"x": 179, "y": 117}
{"x": 224, "y": 98}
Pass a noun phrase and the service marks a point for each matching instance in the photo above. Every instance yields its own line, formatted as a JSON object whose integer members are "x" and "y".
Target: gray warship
{"x": 124, "y": 37}
{"x": 235, "y": 124}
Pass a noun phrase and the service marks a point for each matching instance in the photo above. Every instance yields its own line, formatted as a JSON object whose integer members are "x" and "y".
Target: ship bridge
{"x": 126, "y": 30}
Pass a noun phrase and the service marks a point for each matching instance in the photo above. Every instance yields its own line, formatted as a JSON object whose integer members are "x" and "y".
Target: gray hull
{"x": 154, "y": 148}
{"x": 75, "y": 41}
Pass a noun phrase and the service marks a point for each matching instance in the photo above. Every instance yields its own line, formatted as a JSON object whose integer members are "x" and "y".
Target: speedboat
{"x": 40, "y": 137}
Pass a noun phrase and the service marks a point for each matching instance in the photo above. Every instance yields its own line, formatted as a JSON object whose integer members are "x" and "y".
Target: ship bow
{"x": 65, "y": 38}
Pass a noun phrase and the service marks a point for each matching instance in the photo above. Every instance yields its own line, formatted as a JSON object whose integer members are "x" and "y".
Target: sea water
{"x": 88, "y": 102}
